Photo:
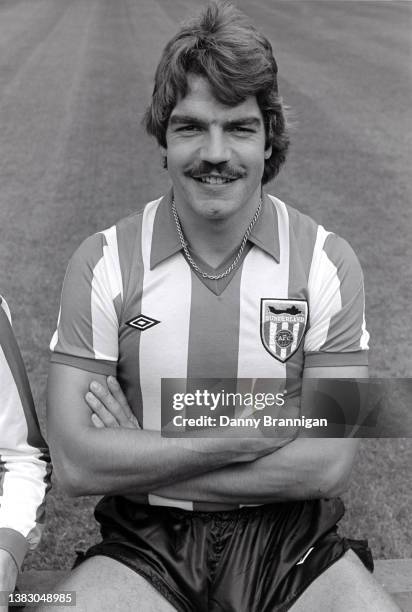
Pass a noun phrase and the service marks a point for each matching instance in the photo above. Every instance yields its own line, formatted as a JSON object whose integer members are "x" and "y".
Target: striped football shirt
{"x": 24, "y": 457}
{"x": 133, "y": 307}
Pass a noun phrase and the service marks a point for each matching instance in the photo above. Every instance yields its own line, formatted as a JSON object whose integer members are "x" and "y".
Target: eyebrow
{"x": 185, "y": 119}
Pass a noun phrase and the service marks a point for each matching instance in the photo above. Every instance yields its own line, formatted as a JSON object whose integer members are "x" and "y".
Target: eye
{"x": 189, "y": 128}
{"x": 242, "y": 129}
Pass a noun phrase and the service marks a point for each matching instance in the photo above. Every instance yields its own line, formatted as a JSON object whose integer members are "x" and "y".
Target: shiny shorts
{"x": 256, "y": 559}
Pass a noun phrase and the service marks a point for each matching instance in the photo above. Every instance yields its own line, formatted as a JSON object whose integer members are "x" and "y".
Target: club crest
{"x": 282, "y": 325}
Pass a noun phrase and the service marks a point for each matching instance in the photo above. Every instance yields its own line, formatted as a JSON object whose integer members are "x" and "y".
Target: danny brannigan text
{"x": 255, "y": 422}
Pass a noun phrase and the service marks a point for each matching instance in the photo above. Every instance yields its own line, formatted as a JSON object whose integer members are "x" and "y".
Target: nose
{"x": 215, "y": 149}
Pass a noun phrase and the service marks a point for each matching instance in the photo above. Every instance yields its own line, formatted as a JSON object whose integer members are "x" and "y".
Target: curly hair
{"x": 222, "y": 45}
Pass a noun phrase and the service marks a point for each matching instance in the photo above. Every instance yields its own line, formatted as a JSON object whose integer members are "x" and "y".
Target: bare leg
{"x": 103, "y": 584}
{"x": 346, "y": 585}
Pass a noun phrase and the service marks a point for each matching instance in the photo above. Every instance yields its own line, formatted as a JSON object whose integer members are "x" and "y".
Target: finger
{"x": 132, "y": 423}
{"x": 97, "y": 422}
{"x": 116, "y": 390}
{"x": 98, "y": 408}
{"x": 135, "y": 422}
{"x": 110, "y": 403}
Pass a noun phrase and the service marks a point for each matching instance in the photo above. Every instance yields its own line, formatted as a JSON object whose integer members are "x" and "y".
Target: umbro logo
{"x": 142, "y": 322}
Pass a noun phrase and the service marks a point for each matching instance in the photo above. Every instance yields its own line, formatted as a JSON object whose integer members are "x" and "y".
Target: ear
{"x": 163, "y": 153}
{"x": 268, "y": 152}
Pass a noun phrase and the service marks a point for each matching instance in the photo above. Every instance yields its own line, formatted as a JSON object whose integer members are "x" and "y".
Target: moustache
{"x": 223, "y": 170}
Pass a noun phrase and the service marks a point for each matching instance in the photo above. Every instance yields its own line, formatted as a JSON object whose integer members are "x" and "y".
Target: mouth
{"x": 213, "y": 179}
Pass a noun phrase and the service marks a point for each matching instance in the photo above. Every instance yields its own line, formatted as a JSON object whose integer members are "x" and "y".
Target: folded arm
{"x": 90, "y": 461}
{"x": 303, "y": 469}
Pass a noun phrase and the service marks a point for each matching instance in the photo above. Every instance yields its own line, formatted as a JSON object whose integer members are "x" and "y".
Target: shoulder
{"x": 340, "y": 253}
{"x": 128, "y": 228}
{"x": 314, "y": 242}
{"x": 102, "y": 248}
{"x": 124, "y": 237}
{"x": 298, "y": 222}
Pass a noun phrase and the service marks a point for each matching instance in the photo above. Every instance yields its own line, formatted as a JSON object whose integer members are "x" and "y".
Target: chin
{"x": 220, "y": 210}
{"x": 215, "y": 214}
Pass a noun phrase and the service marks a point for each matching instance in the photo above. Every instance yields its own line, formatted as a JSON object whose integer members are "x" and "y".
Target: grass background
{"x": 75, "y": 77}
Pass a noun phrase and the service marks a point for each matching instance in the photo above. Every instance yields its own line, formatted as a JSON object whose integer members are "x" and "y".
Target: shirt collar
{"x": 166, "y": 242}
{"x": 265, "y": 232}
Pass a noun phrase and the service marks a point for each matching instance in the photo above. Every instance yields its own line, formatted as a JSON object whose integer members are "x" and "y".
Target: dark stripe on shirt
{"x": 129, "y": 243}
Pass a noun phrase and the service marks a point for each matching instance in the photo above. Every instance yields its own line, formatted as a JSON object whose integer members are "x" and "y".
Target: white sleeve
{"x": 337, "y": 334}
{"x": 24, "y": 458}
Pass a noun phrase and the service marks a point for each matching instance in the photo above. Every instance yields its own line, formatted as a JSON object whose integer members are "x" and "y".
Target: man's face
{"x": 215, "y": 153}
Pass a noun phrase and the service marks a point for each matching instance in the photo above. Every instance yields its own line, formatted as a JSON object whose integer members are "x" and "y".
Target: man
{"x": 24, "y": 461}
{"x": 214, "y": 281}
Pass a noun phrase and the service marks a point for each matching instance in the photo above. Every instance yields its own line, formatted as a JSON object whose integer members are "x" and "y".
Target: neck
{"x": 214, "y": 240}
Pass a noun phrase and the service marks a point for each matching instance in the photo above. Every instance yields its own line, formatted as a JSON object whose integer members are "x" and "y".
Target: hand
{"x": 109, "y": 406}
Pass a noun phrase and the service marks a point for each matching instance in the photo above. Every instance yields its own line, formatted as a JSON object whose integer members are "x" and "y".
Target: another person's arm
{"x": 24, "y": 466}
{"x": 8, "y": 572}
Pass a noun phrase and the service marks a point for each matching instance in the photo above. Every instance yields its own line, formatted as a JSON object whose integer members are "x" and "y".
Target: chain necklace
{"x": 236, "y": 259}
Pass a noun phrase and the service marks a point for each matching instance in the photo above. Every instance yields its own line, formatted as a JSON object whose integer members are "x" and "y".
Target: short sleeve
{"x": 87, "y": 329}
{"x": 337, "y": 334}
{"x": 25, "y": 462}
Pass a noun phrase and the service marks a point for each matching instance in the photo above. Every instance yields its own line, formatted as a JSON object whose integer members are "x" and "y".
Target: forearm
{"x": 113, "y": 459}
{"x": 102, "y": 461}
{"x": 119, "y": 460}
{"x": 303, "y": 469}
